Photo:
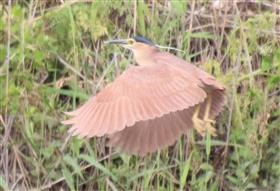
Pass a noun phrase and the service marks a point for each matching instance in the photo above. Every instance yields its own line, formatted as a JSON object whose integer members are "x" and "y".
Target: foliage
{"x": 57, "y": 60}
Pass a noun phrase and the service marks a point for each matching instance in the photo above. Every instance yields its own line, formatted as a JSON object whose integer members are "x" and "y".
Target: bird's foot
{"x": 204, "y": 125}
{"x": 199, "y": 125}
{"x": 209, "y": 126}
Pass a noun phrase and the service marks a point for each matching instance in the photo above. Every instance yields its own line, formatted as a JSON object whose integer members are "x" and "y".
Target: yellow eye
{"x": 130, "y": 41}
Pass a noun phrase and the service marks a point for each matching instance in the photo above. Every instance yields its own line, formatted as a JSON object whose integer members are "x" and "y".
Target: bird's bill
{"x": 117, "y": 41}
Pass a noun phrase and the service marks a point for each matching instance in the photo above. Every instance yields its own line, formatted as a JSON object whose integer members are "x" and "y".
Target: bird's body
{"x": 151, "y": 105}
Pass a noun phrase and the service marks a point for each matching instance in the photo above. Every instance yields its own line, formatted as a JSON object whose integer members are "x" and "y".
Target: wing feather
{"x": 136, "y": 147}
{"x": 115, "y": 120}
{"x": 103, "y": 121}
{"x": 93, "y": 115}
{"x": 80, "y": 120}
{"x": 89, "y": 104}
{"x": 92, "y": 120}
{"x": 148, "y": 136}
{"x": 140, "y": 93}
{"x": 192, "y": 72}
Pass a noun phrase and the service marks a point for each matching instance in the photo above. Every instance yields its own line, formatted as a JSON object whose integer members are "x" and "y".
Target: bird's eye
{"x": 130, "y": 41}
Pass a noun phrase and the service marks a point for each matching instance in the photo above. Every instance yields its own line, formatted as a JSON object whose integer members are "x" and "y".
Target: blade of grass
{"x": 92, "y": 160}
{"x": 185, "y": 171}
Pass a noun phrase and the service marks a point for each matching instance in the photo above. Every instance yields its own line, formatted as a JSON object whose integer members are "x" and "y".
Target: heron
{"x": 151, "y": 104}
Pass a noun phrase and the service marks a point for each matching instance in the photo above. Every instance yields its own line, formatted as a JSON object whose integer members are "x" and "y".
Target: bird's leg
{"x": 198, "y": 123}
{"x": 209, "y": 122}
{"x": 201, "y": 125}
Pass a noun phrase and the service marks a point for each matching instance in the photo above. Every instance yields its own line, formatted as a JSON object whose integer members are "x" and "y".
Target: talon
{"x": 199, "y": 126}
{"x": 205, "y": 124}
{"x": 211, "y": 130}
{"x": 198, "y": 123}
{"x": 211, "y": 121}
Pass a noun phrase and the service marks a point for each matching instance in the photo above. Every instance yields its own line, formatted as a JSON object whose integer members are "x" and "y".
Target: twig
{"x": 229, "y": 121}
{"x": 7, "y": 64}
{"x": 274, "y": 93}
{"x": 191, "y": 23}
{"x": 135, "y": 17}
{"x": 245, "y": 45}
{"x": 73, "y": 69}
{"x": 111, "y": 184}
{"x": 105, "y": 73}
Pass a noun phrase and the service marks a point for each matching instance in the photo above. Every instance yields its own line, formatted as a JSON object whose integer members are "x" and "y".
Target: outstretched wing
{"x": 148, "y": 136}
{"x": 140, "y": 93}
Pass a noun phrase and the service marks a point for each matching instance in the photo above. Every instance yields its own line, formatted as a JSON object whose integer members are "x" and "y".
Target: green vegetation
{"x": 52, "y": 58}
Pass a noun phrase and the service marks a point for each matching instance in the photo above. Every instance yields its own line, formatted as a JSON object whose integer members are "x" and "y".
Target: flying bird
{"x": 150, "y": 105}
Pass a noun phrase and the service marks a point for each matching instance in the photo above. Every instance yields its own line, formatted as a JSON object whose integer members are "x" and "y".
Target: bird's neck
{"x": 145, "y": 57}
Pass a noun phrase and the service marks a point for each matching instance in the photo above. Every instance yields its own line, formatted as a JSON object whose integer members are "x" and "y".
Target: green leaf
{"x": 185, "y": 172}
{"x": 273, "y": 81}
{"x": 266, "y": 63}
{"x": 71, "y": 93}
{"x": 208, "y": 144}
{"x": 68, "y": 178}
{"x": 202, "y": 35}
{"x": 179, "y": 7}
{"x": 276, "y": 58}
{"x": 38, "y": 56}
{"x": 98, "y": 165}
{"x": 17, "y": 11}
{"x": 74, "y": 163}
{"x": 206, "y": 167}
{"x": 3, "y": 184}
{"x": 142, "y": 11}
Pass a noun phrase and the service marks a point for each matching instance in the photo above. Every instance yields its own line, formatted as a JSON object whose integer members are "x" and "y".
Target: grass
{"x": 53, "y": 59}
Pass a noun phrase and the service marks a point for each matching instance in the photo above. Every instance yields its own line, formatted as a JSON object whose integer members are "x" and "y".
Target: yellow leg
{"x": 198, "y": 123}
{"x": 209, "y": 122}
{"x": 201, "y": 125}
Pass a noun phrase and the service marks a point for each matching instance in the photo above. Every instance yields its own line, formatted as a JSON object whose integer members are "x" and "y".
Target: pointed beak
{"x": 117, "y": 41}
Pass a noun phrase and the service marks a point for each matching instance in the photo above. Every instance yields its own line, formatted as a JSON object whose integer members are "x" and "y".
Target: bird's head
{"x": 136, "y": 44}
{"x": 143, "y": 49}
